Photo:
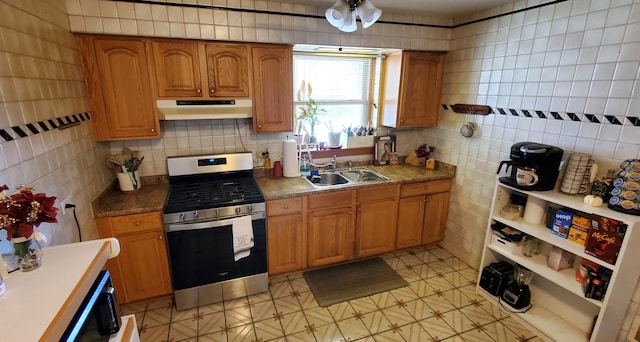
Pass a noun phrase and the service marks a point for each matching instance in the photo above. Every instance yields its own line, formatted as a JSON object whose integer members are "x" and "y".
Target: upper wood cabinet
{"x": 272, "y": 88}
{"x": 119, "y": 87}
{"x": 412, "y": 87}
{"x": 180, "y": 67}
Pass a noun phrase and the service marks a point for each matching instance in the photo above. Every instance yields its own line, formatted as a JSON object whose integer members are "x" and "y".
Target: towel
{"x": 242, "y": 237}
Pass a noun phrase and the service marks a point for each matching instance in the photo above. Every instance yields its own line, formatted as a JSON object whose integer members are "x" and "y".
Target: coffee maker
{"x": 532, "y": 166}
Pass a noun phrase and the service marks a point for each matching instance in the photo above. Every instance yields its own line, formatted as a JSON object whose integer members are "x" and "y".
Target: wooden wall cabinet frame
{"x": 177, "y": 68}
{"x": 287, "y": 235}
{"x": 376, "y": 220}
{"x": 141, "y": 271}
{"x": 120, "y": 91}
{"x": 272, "y": 70}
{"x": 411, "y": 89}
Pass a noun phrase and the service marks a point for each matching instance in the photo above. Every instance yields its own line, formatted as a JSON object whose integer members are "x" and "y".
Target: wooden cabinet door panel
{"x": 286, "y": 243}
{"x": 376, "y": 227}
{"x": 330, "y": 236}
{"x": 272, "y": 89}
{"x": 410, "y": 221}
{"x": 177, "y": 69}
{"x": 144, "y": 265}
{"x": 228, "y": 70}
{"x": 126, "y": 90}
{"x": 435, "y": 217}
{"x": 420, "y": 88}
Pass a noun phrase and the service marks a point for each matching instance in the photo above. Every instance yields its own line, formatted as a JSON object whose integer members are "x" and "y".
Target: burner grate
{"x": 206, "y": 194}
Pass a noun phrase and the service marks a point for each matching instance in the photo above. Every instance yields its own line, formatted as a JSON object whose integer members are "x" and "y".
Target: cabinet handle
{"x": 161, "y": 237}
{"x": 138, "y": 223}
{"x": 359, "y": 209}
{"x": 286, "y": 206}
{"x": 401, "y": 121}
{"x": 259, "y": 126}
{"x": 153, "y": 130}
{"x": 211, "y": 90}
{"x": 199, "y": 91}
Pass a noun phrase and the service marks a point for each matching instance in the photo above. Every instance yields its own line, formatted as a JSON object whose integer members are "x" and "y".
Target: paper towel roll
{"x": 534, "y": 210}
{"x": 290, "y": 166}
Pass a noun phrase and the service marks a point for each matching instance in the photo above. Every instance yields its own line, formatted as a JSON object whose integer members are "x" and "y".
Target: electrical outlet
{"x": 64, "y": 203}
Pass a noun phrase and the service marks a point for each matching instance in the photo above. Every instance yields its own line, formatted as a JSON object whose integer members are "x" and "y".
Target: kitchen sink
{"x": 344, "y": 177}
{"x": 362, "y": 175}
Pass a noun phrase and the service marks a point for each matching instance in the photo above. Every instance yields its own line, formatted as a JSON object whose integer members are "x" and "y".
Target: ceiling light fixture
{"x": 342, "y": 15}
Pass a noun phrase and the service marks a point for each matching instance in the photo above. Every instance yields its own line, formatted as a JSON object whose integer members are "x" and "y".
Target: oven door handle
{"x": 174, "y": 227}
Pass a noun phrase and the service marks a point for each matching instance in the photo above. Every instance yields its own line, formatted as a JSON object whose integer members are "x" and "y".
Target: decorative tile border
{"x": 594, "y": 118}
{"x": 17, "y": 132}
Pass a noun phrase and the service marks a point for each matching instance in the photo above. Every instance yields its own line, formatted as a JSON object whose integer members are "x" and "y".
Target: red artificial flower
{"x": 24, "y": 210}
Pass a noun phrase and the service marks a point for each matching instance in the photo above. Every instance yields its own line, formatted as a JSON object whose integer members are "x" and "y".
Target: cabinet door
{"x": 286, "y": 243}
{"x": 330, "y": 236}
{"x": 126, "y": 109}
{"x": 410, "y": 221}
{"x": 435, "y": 217}
{"x": 272, "y": 89}
{"x": 227, "y": 70}
{"x": 420, "y": 87}
{"x": 375, "y": 227}
{"x": 177, "y": 69}
{"x": 144, "y": 265}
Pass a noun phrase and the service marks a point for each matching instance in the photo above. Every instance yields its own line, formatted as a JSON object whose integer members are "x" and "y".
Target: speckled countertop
{"x": 152, "y": 195}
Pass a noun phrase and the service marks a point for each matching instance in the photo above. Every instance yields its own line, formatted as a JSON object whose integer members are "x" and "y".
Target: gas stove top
{"x": 201, "y": 183}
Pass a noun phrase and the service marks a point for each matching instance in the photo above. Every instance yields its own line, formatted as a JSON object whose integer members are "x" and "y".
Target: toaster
{"x": 495, "y": 277}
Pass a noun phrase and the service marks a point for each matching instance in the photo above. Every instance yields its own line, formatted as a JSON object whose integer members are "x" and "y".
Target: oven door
{"x": 202, "y": 253}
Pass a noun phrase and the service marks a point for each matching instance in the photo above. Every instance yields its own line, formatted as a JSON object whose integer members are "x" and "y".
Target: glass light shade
{"x": 349, "y": 22}
{"x": 368, "y": 13}
{"x": 336, "y": 15}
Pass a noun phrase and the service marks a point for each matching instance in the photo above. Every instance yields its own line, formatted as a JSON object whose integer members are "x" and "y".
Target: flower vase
{"x": 27, "y": 252}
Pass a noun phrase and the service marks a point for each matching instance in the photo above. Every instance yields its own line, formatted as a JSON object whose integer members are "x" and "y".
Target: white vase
{"x": 129, "y": 181}
{"x": 334, "y": 139}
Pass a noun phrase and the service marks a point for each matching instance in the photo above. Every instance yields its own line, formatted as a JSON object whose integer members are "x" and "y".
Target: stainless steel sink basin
{"x": 328, "y": 179}
{"x": 362, "y": 175}
{"x": 344, "y": 177}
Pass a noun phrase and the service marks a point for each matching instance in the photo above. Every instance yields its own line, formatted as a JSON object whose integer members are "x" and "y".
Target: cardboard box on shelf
{"x": 559, "y": 259}
{"x": 562, "y": 223}
{"x": 605, "y": 238}
{"x": 579, "y": 231}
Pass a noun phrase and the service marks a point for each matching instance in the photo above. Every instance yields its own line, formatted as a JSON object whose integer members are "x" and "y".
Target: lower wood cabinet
{"x": 141, "y": 270}
{"x": 331, "y": 230}
{"x": 376, "y": 220}
{"x": 422, "y": 212}
{"x": 286, "y": 235}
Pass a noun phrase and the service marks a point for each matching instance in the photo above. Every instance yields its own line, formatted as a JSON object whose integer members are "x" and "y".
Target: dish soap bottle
{"x": 267, "y": 164}
{"x": 304, "y": 170}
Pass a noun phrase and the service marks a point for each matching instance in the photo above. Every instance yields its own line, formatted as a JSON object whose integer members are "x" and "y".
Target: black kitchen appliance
{"x": 545, "y": 160}
{"x": 517, "y": 295}
{"x": 495, "y": 277}
{"x": 216, "y": 229}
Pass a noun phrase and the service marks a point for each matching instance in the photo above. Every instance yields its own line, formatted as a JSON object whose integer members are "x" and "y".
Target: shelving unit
{"x": 560, "y": 311}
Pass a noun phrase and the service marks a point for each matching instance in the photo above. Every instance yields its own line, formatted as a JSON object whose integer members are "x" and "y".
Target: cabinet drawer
{"x": 331, "y": 200}
{"x": 136, "y": 223}
{"x": 285, "y": 206}
{"x": 378, "y": 193}
{"x": 422, "y": 188}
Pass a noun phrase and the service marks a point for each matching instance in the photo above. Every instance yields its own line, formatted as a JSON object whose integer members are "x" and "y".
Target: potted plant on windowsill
{"x": 309, "y": 110}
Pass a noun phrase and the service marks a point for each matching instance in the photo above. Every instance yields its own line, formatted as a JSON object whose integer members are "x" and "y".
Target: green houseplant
{"x": 309, "y": 110}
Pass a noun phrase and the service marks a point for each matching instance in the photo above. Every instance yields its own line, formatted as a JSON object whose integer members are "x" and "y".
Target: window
{"x": 342, "y": 86}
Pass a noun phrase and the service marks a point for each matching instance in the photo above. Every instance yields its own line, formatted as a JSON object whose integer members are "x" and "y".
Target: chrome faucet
{"x": 333, "y": 162}
{"x": 350, "y": 164}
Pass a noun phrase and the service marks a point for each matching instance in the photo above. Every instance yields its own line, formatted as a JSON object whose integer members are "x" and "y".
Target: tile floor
{"x": 439, "y": 304}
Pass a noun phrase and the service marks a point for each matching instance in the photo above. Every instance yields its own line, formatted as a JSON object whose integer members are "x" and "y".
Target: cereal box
{"x": 562, "y": 223}
{"x": 579, "y": 231}
{"x": 605, "y": 238}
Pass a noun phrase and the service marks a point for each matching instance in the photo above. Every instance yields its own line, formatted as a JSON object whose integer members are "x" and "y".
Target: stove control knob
{"x": 182, "y": 217}
{"x": 250, "y": 209}
{"x": 195, "y": 215}
{"x": 238, "y": 210}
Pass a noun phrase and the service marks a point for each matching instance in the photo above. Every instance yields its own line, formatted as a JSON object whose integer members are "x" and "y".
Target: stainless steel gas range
{"x": 216, "y": 231}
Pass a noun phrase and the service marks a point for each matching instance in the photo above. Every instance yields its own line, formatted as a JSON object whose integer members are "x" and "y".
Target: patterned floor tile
{"x": 440, "y": 284}
{"x": 353, "y": 329}
{"x": 295, "y": 275}
{"x": 263, "y": 310}
{"x": 157, "y": 317}
{"x": 441, "y": 253}
{"x": 183, "y": 329}
{"x": 278, "y": 279}
{"x": 211, "y": 323}
{"x": 184, "y": 314}
{"x": 422, "y": 289}
{"x": 215, "y": 337}
{"x": 363, "y": 305}
{"x": 294, "y": 323}
{"x": 404, "y": 294}
{"x": 437, "y": 328}
{"x": 341, "y": 311}
{"x": 477, "y": 315}
{"x": 456, "y": 263}
{"x": 211, "y": 308}
{"x": 307, "y": 300}
{"x": 329, "y": 333}
{"x": 441, "y": 266}
{"x": 260, "y": 297}
{"x": 414, "y": 332}
{"x": 241, "y": 302}
{"x": 411, "y": 260}
{"x": 398, "y": 315}
{"x": 459, "y": 322}
{"x": 318, "y": 316}
{"x": 500, "y": 333}
{"x": 409, "y": 275}
{"x": 154, "y": 334}
{"x": 300, "y": 285}
{"x": 279, "y": 290}
{"x": 396, "y": 263}
{"x": 438, "y": 303}
{"x": 384, "y": 300}
{"x": 238, "y": 316}
{"x": 241, "y": 333}
{"x": 376, "y": 322}
{"x": 128, "y": 309}
{"x": 456, "y": 279}
{"x": 287, "y": 305}
{"x": 302, "y": 336}
{"x": 160, "y": 303}
{"x": 418, "y": 309}
{"x": 268, "y": 330}
{"x": 389, "y": 336}
{"x": 457, "y": 298}
{"x": 476, "y": 335}
{"x": 470, "y": 274}
{"x": 518, "y": 329}
{"x": 426, "y": 256}
{"x": 492, "y": 309}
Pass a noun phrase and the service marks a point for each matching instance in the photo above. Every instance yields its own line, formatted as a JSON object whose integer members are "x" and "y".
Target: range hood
{"x": 204, "y": 109}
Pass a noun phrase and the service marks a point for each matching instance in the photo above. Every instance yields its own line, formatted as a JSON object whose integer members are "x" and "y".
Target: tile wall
{"x": 40, "y": 79}
{"x": 579, "y": 57}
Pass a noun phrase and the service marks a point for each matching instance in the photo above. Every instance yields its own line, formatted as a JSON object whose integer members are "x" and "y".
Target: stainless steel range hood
{"x": 204, "y": 109}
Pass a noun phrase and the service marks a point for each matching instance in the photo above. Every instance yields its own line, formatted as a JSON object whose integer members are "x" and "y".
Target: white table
{"x": 39, "y": 304}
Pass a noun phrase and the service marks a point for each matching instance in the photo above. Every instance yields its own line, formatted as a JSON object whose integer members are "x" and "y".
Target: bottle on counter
{"x": 267, "y": 163}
